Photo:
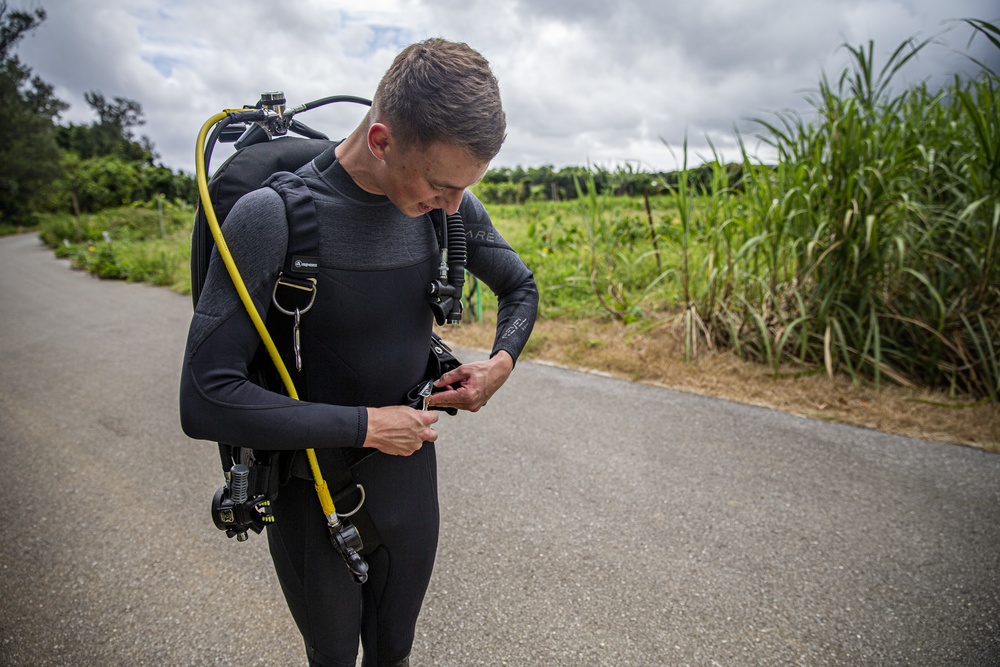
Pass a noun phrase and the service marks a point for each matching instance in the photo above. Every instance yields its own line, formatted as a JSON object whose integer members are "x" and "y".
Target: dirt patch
{"x": 656, "y": 356}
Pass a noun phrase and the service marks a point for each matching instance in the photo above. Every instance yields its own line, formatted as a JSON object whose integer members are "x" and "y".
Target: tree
{"x": 29, "y": 156}
{"x": 112, "y": 134}
{"x": 104, "y": 166}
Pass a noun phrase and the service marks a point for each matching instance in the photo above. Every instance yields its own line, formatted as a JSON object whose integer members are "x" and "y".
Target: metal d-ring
{"x": 358, "y": 507}
{"x": 300, "y": 311}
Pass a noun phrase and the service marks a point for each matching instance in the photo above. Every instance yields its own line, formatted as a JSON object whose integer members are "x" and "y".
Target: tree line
{"x": 506, "y": 185}
{"x": 47, "y": 166}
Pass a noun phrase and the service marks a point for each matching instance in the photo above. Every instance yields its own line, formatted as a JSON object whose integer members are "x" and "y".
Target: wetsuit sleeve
{"x": 218, "y": 401}
{"x": 492, "y": 260}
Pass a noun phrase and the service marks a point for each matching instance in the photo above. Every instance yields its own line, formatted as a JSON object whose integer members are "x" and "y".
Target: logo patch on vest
{"x": 303, "y": 264}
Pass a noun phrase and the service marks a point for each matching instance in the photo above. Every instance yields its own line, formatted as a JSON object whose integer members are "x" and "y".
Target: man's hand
{"x": 399, "y": 430}
{"x": 477, "y": 382}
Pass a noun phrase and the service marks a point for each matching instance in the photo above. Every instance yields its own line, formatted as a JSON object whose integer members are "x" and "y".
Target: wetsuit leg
{"x": 330, "y": 610}
{"x": 403, "y": 503}
{"x": 321, "y": 595}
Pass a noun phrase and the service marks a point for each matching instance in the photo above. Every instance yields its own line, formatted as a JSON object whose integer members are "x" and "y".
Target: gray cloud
{"x": 582, "y": 80}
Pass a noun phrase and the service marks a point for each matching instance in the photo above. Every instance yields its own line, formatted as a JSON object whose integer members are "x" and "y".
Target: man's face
{"x": 419, "y": 180}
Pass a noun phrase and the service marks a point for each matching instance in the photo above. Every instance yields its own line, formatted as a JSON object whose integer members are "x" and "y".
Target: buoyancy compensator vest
{"x": 265, "y": 157}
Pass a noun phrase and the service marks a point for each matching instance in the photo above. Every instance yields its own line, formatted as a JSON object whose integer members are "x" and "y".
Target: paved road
{"x": 586, "y": 521}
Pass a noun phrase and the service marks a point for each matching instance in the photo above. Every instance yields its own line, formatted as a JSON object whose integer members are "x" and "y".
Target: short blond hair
{"x": 441, "y": 91}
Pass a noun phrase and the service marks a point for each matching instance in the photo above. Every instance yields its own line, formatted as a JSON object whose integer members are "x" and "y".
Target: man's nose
{"x": 451, "y": 201}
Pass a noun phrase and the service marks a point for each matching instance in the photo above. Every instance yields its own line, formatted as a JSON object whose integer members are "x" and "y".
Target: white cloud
{"x": 582, "y": 80}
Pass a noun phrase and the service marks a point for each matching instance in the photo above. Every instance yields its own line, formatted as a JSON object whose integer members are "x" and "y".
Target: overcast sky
{"x": 583, "y": 81}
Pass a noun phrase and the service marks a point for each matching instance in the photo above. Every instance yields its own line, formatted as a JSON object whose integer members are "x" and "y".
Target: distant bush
{"x": 127, "y": 243}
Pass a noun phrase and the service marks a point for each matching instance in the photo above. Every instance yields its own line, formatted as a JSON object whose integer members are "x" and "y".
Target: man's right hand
{"x": 399, "y": 430}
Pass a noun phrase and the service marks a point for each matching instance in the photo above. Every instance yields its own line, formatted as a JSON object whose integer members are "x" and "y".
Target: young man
{"x": 435, "y": 124}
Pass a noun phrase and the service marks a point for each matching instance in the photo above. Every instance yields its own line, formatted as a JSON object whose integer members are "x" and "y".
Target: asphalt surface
{"x": 585, "y": 520}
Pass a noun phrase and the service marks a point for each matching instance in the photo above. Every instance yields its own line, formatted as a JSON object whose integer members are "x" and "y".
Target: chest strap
{"x": 295, "y": 290}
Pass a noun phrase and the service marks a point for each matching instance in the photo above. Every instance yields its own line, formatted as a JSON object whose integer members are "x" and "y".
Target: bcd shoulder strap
{"x": 295, "y": 288}
{"x": 294, "y": 294}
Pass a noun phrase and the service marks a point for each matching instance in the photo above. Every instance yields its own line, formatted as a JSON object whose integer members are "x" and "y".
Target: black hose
{"x": 214, "y": 139}
{"x": 333, "y": 98}
{"x": 456, "y": 264}
{"x": 306, "y": 131}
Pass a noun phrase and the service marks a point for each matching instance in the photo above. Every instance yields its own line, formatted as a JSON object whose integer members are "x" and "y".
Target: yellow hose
{"x": 322, "y": 491}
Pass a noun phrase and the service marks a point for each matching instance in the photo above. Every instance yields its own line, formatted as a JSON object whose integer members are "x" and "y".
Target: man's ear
{"x": 379, "y": 138}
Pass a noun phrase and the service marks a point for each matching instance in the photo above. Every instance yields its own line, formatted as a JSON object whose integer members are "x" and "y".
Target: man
{"x": 435, "y": 124}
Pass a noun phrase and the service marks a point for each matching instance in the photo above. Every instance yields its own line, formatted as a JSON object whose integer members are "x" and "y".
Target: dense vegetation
{"x": 870, "y": 248}
{"x": 47, "y": 167}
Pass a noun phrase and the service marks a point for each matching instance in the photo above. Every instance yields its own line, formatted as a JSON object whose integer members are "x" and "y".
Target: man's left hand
{"x": 476, "y": 383}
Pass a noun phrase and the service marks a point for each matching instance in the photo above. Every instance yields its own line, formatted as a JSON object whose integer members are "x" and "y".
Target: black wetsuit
{"x": 364, "y": 344}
